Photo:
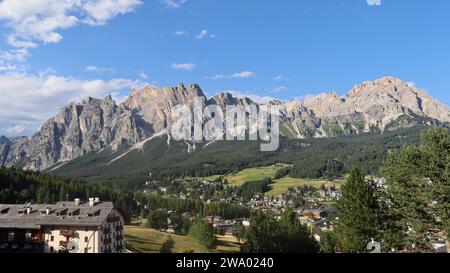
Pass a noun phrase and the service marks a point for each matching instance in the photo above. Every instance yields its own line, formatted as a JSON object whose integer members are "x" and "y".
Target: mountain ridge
{"x": 93, "y": 125}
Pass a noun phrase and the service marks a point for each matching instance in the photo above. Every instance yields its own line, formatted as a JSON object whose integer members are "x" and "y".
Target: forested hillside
{"x": 19, "y": 187}
{"x": 312, "y": 158}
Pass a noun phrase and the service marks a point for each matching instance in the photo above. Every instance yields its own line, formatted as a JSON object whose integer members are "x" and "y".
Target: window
{"x": 51, "y": 248}
{"x": 86, "y": 239}
{"x": 52, "y": 238}
{"x": 85, "y": 250}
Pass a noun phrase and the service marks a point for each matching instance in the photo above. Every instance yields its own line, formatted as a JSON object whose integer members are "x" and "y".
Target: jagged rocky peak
{"x": 396, "y": 97}
{"x": 395, "y": 87}
{"x": 223, "y": 99}
{"x": 151, "y": 95}
{"x": 226, "y": 98}
{"x": 292, "y": 106}
{"x": 95, "y": 124}
{"x": 4, "y": 140}
{"x": 324, "y": 104}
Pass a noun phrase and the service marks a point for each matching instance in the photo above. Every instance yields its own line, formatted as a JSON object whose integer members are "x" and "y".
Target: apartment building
{"x": 65, "y": 227}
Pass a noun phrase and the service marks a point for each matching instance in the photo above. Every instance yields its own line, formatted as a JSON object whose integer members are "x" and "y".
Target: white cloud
{"x": 143, "y": 75}
{"x": 12, "y": 40}
{"x": 40, "y": 21}
{"x": 238, "y": 75}
{"x": 280, "y": 78}
{"x": 8, "y": 67}
{"x": 217, "y": 77}
{"x": 374, "y": 2}
{"x": 243, "y": 75}
{"x": 15, "y": 130}
{"x": 202, "y": 34}
{"x": 174, "y": 3}
{"x": 100, "y": 11}
{"x": 32, "y": 99}
{"x": 15, "y": 55}
{"x": 180, "y": 33}
{"x": 279, "y": 89}
{"x": 93, "y": 68}
{"x": 183, "y": 67}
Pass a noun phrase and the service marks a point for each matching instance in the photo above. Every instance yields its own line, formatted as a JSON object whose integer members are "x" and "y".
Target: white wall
{"x": 95, "y": 236}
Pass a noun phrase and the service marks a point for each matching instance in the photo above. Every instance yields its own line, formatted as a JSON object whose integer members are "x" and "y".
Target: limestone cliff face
{"x": 96, "y": 124}
{"x": 77, "y": 129}
{"x": 153, "y": 107}
{"x": 377, "y": 103}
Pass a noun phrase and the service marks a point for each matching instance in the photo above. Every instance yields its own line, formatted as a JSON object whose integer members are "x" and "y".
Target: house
{"x": 70, "y": 227}
{"x": 319, "y": 213}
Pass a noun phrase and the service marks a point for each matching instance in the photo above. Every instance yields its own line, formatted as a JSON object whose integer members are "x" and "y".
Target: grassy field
{"x": 227, "y": 244}
{"x": 253, "y": 174}
{"x": 146, "y": 240}
{"x": 281, "y": 185}
{"x": 212, "y": 177}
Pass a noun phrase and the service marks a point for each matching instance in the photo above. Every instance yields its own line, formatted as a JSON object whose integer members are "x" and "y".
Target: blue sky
{"x": 284, "y": 49}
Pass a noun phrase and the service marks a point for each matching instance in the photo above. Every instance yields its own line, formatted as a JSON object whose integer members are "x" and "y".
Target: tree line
{"x": 22, "y": 186}
{"x": 406, "y": 209}
{"x": 193, "y": 207}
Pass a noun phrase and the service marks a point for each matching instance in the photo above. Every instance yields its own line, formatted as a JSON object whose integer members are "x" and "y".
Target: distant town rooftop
{"x": 67, "y": 213}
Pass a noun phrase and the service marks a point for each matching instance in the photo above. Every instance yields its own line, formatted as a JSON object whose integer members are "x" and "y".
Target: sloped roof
{"x": 15, "y": 216}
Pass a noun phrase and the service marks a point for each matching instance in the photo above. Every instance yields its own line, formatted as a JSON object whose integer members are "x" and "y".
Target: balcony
{"x": 12, "y": 247}
{"x": 106, "y": 230}
{"x": 68, "y": 233}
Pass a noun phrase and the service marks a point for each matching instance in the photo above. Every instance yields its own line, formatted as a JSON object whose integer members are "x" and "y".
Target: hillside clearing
{"x": 253, "y": 174}
{"x": 283, "y": 184}
{"x": 147, "y": 240}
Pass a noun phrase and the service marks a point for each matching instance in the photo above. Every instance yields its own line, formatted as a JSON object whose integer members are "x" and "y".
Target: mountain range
{"x": 96, "y": 125}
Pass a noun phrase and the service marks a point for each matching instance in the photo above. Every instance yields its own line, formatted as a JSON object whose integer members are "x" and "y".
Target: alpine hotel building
{"x": 68, "y": 227}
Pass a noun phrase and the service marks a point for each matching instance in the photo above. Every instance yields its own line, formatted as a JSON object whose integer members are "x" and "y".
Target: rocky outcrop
{"x": 96, "y": 124}
{"x": 377, "y": 103}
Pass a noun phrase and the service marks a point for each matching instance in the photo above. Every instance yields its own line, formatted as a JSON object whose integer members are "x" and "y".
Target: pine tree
{"x": 204, "y": 233}
{"x": 62, "y": 193}
{"x": 266, "y": 234}
{"x": 358, "y": 214}
{"x": 418, "y": 189}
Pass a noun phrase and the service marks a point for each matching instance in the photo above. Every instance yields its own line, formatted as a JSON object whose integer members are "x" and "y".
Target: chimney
{"x": 97, "y": 200}
{"x": 47, "y": 211}
{"x": 91, "y": 202}
{"x": 28, "y": 210}
{"x": 77, "y": 202}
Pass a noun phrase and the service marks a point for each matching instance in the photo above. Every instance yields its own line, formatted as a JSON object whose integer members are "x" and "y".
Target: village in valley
{"x": 311, "y": 200}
